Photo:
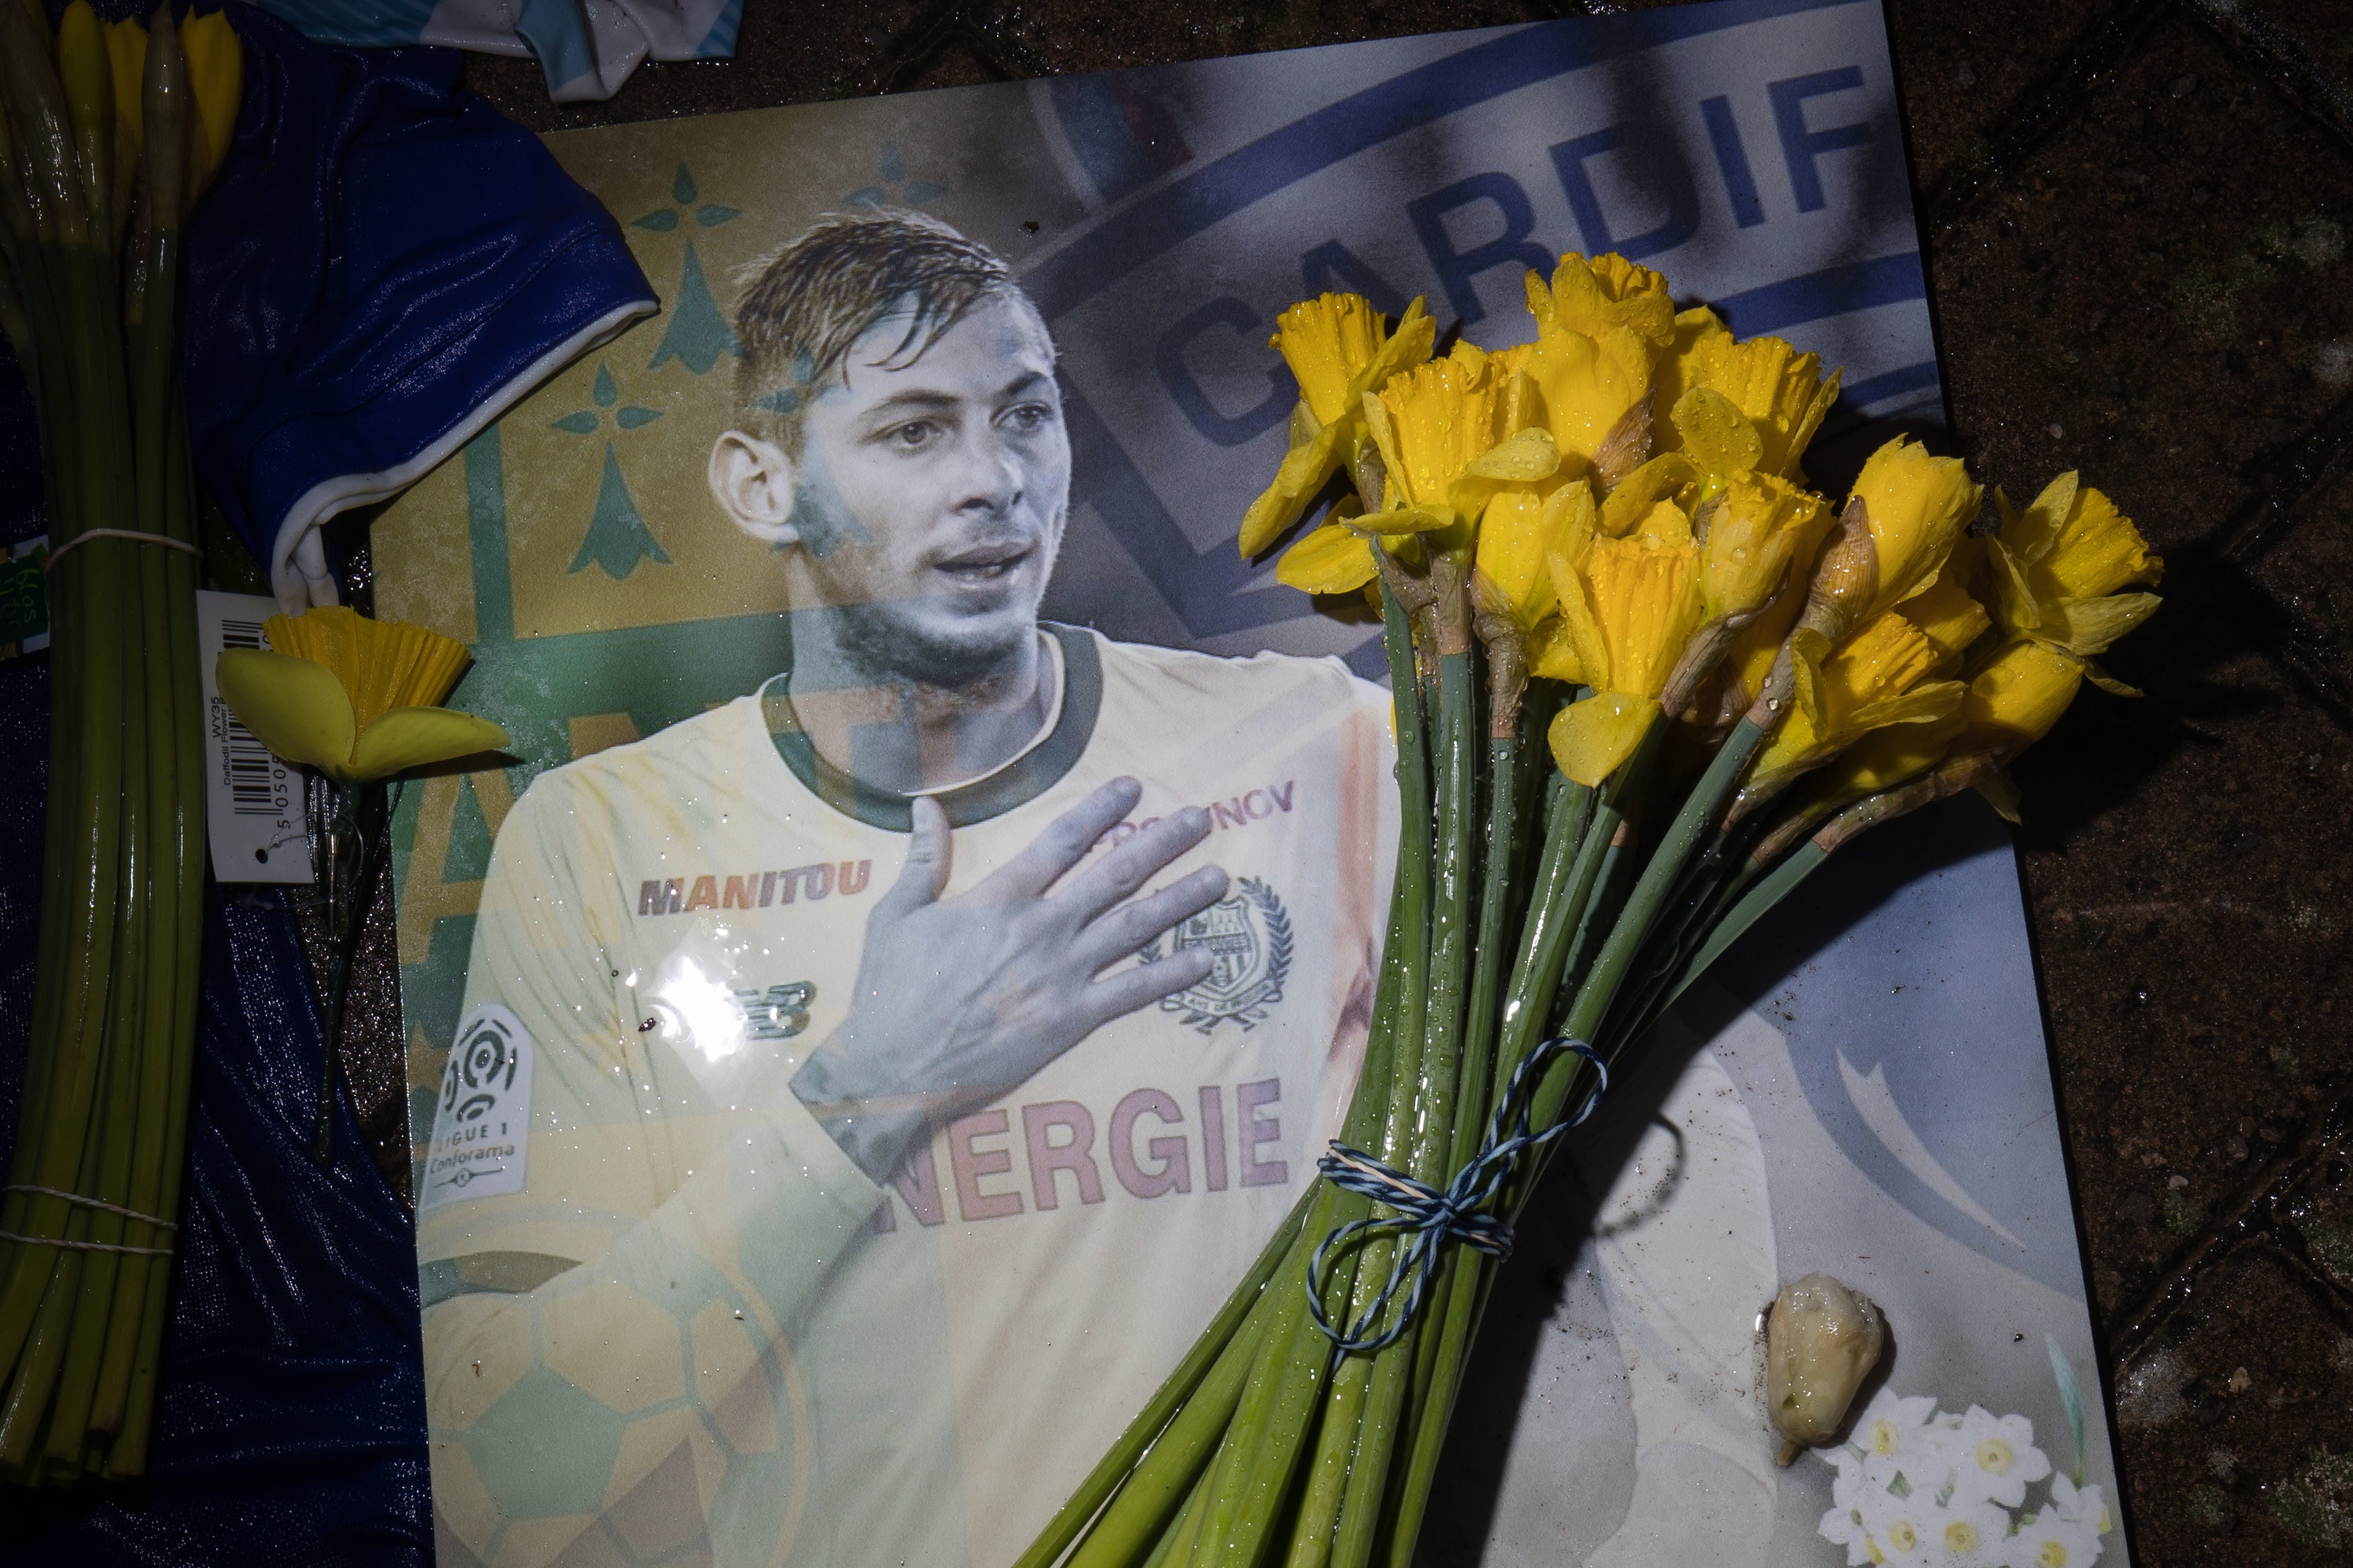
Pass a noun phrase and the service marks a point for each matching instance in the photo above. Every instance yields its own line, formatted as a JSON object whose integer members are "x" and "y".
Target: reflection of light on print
{"x": 697, "y": 1011}
{"x": 1885, "y": 1119}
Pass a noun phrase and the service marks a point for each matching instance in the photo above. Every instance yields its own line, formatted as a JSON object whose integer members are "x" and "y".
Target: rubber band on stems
{"x": 50, "y": 563}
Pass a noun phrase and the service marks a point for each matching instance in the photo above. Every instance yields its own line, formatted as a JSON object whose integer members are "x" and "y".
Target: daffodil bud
{"x": 216, "y": 75}
{"x": 1821, "y": 1342}
{"x": 126, "y": 53}
{"x": 89, "y": 77}
{"x": 1846, "y": 575}
{"x": 2014, "y": 701}
{"x": 1917, "y": 505}
{"x": 1754, "y": 533}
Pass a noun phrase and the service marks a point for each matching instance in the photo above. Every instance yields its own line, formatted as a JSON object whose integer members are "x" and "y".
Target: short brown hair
{"x": 818, "y": 296}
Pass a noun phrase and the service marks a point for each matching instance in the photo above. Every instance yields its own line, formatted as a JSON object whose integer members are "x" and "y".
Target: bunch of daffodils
{"x": 107, "y": 135}
{"x": 1919, "y": 1485}
{"x": 1646, "y": 680}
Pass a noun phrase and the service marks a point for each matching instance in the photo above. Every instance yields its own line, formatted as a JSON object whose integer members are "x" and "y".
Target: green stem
{"x": 1177, "y": 1462}
{"x": 1762, "y": 895}
{"x": 127, "y": 1456}
{"x": 1424, "y": 1147}
{"x": 1556, "y": 891}
{"x": 1664, "y": 868}
{"x": 1172, "y": 1396}
{"x": 346, "y": 921}
{"x": 82, "y": 887}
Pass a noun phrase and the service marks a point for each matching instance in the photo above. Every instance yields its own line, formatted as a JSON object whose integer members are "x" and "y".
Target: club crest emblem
{"x": 1247, "y": 936}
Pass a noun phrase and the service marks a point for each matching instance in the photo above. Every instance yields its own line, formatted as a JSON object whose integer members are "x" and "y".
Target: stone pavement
{"x": 2136, "y": 216}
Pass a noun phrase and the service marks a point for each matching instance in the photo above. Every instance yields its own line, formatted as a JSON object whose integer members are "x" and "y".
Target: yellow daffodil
{"x": 1334, "y": 559}
{"x": 1529, "y": 536}
{"x": 126, "y": 53}
{"x": 1679, "y": 368}
{"x": 2074, "y": 544}
{"x": 1509, "y": 564}
{"x": 1945, "y": 613}
{"x": 1445, "y": 445}
{"x": 1569, "y": 531}
{"x": 1780, "y": 392}
{"x": 1629, "y": 606}
{"x": 2015, "y": 700}
{"x": 1757, "y": 529}
{"x": 2057, "y": 568}
{"x": 1552, "y": 653}
{"x": 1338, "y": 347}
{"x": 354, "y": 697}
{"x": 1716, "y": 437}
{"x": 2011, "y": 703}
{"x": 86, "y": 70}
{"x": 1881, "y": 676}
{"x": 217, "y": 79}
{"x": 1882, "y": 759}
{"x": 1668, "y": 476}
{"x": 1595, "y": 393}
{"x": 1596, "y": 295}
{"x": 1917, "y": 506}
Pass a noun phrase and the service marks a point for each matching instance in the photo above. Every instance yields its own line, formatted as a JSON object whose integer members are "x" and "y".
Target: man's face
{"x": 929, "y": 498}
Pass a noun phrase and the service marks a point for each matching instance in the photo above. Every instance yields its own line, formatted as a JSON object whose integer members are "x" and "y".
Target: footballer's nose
{"x": 992, "y": 477}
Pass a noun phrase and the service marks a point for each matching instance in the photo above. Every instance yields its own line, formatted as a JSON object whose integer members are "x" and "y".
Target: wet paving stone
{"x": 2146, "y": 302}
{"x": 2243, "y": 1441}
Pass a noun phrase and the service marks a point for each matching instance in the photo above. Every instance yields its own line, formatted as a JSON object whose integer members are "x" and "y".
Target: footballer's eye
{"x": 1028, "y": 418}
{"x": 913, "y": 435}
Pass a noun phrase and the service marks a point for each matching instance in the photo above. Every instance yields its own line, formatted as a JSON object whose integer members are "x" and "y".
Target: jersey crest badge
{"x": 1247, "y": 936}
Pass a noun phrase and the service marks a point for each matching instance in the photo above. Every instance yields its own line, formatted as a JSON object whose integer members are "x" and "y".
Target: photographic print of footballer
{"x": 854, "y": 1073}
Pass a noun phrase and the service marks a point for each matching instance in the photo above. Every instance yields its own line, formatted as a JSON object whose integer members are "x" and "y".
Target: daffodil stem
{"x": 83, "y": 872}
{"x": 1605, "y": 861}
{"x": 1762, "y": 895}
{"x": 1468, "y": 1112}
{"x": 1498, "y": 1044}
{"x": 1421, "y": 1101}
{"x": 1152, "y": 1496}
{"x": 1598, "y": 986}
{"x": 362, "y": 813}
{"x": 1173, "y": 1470}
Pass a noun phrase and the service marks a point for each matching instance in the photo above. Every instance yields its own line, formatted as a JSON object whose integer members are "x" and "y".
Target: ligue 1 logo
{"x": 482, "y": 1067}
{"x": 1248, "y": 937}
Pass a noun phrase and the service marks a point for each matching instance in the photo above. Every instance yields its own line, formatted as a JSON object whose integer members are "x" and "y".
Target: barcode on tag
{"x": 253, "y": 801}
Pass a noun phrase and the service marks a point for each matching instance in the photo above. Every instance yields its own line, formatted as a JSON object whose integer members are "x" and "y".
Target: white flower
{"x": 1919, "y": 1488}
{"x": 1908, "y": 1539}
{"x": 1995, "y": 1458}
{"x": 1897, "y": 1435}
{"x": 2083, "y": 1505}
{"x": 2048, "y": 1540}
{"x": 1967, "y": 1535}
{"x": 1844, "y": 1527}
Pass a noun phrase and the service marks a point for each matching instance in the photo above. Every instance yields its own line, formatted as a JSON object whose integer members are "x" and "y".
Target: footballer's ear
{"x": 752, "y": 480}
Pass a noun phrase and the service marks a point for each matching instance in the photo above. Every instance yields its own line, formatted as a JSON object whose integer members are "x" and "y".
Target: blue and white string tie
{"x": 1430, "y": 1219}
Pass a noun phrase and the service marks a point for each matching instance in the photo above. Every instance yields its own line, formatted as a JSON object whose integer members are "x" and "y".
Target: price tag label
{"x": 253, "y": 801}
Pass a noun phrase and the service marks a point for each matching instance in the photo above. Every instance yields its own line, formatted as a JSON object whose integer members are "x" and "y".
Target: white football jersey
{"x": 667, "y": 1315}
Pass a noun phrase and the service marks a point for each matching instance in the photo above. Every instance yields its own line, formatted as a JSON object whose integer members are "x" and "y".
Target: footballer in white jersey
{"x": 867, "y": 1089}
